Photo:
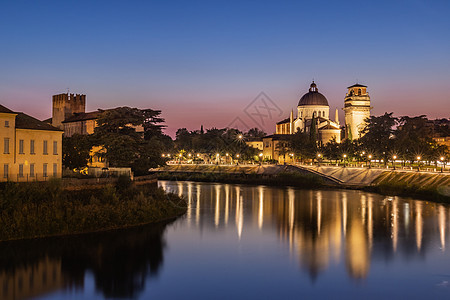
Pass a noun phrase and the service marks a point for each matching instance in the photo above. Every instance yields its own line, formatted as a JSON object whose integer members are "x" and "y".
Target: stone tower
{"x": 357, "y": 109}
{"x": 65, "y": 105}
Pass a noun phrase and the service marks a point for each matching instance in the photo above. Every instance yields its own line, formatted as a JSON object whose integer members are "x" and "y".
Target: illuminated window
{"x": 6, "y": 123}
{"x": 55, "y": 147}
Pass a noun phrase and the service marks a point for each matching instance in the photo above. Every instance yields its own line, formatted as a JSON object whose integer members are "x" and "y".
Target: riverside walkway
{"x": 350, "y": 176}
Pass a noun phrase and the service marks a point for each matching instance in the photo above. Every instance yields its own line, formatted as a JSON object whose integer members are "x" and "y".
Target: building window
{"x": 6, "y": 123}
{"x": 21, "y": 147}
{"x": 55, "y": 147}
{"x": 5, "y": 171}
{"x": 32, "y": 147}
{"x": 44, "y": 170}
{"x": 20, "y": 170}
{"x": 45, "y": 151}
{"x": 31, "y": 170}
{"x": 55, "y": 170}
{"x": 359, "y": 92}
{"x": 6, "y": 146}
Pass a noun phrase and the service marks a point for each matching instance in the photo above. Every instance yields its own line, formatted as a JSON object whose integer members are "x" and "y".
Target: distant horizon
{"x": 203, "y": 62}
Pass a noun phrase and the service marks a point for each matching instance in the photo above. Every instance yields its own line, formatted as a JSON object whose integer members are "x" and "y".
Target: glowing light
{"x": 370, "y": 156}
{"x": 260, "y": 155}
{"x": 394, "y": 157}
{"x": 442, "y": 158}
{"x": 345, "y": 155}
{"x": 418, "y": 157}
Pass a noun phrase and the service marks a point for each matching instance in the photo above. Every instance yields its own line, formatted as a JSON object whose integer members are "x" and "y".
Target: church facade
{"x": 313, "y": 113}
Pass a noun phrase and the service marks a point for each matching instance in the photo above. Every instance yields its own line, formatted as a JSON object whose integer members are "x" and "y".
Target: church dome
{"x": 313, "y": 97}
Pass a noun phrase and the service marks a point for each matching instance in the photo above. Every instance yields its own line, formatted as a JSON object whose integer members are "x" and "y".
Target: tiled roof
{"x": 83, "y": 116}
{"x": 24, "y": 121}
{"x": 287, "y": 120}
{"x": 356, "y": 85}
{"x": 5, "y": 110}
{"x": 278, "y": 136}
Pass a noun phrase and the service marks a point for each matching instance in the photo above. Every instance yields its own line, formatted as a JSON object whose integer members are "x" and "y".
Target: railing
{"x": 37, "y": 177}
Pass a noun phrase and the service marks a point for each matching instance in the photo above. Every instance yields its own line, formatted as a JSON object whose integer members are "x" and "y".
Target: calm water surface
{"x": 248, "y": 242}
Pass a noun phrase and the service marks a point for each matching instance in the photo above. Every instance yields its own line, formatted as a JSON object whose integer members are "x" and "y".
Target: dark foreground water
{"x": 248, "y": 242}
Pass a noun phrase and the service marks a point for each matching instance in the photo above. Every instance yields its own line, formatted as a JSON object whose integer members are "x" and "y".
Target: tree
{"x": 76, "y": 151}
{"x": 255, "y": 133}
{"x": 126, "y": 146}
{"x": 378, "y": 135}
{"x": 302, "y": 145}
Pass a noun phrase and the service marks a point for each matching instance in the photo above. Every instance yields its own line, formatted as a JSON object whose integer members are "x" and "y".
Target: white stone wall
{"x": 306, "y": 112}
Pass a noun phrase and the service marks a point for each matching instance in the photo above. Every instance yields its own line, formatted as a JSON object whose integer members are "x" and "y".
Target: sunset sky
{"x": 204, "y": 62}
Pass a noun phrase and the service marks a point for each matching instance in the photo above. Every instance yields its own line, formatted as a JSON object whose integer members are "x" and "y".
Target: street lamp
{"x": 418, "y": 163}
{"x": 240, "y": 136}
{"x": 345, "y": 155}
{"x": 370, "y": 159}
{"x": 318, "y": 159}
{"x": 393, "y": 161}
{"x": 442, "y": 163}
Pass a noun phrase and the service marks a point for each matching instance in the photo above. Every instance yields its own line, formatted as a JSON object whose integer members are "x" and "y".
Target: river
{"x": 248, "y": 242}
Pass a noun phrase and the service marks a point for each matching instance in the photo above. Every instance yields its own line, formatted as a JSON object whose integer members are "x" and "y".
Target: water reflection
{"x": 325, "y": 227}
{"x": 120, "y": 262}
{"x": 253, "y": 238}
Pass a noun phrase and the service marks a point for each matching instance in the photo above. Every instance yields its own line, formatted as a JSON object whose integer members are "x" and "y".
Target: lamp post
{"x": 442, "y": 163}
{"x": 393, "y": 161}
{"x": 345, "y": 156}
{"x": 260, "y": 158}
{"x": 318, "y": 159}
{"x": 226, "y": 159}
{"x": 370, "y": 159}
{"x": 418, "y": 163}
{"x": 217, "y": 158}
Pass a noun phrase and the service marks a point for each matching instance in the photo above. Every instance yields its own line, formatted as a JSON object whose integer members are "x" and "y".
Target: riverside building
{"x": 30, "y": 150}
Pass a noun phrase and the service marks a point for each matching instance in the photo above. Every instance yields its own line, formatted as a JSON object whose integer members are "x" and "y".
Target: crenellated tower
{"x": 357, "y": 110}
{"x": 65, "y": 105}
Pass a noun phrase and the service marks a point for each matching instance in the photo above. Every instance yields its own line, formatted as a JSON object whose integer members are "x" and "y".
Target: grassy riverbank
{"x": 30, "y": 210}
{"x": 280, "y": 179}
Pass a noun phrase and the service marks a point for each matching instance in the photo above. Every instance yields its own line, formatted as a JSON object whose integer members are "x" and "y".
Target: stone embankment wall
{"x": 96, "y": 183}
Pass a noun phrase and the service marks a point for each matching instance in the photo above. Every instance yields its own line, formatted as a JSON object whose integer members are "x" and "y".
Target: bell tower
{"x": 357, "y": 110}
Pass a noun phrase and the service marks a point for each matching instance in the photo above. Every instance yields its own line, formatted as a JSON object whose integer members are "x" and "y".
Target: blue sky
{"x": 202, "y": 62}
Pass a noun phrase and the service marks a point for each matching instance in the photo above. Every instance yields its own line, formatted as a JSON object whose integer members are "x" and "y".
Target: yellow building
{"x": 30, "y": 150}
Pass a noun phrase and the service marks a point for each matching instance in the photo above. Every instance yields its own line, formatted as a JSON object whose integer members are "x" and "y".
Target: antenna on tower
{"x": 68, "y": 90}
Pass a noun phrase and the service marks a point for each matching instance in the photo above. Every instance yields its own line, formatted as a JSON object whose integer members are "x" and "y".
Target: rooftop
{"x": 24, "y": 121}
